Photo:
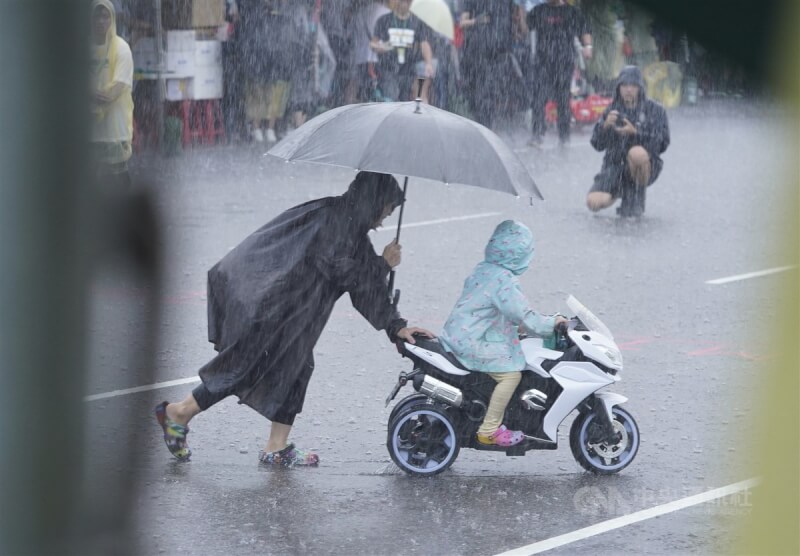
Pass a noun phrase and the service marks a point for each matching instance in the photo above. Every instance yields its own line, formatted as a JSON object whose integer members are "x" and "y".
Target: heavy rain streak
{"x": 430, "y": 277}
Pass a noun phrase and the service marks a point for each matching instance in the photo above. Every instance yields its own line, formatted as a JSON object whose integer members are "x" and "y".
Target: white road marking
{"x": 611, "y": 524}
{"x": 750, "y": 275}
{"x": 138, "y": 389}
{"x": 439, "y": 221}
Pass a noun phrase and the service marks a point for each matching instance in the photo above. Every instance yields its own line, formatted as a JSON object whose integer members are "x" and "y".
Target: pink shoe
{"x": 502, "y": 437}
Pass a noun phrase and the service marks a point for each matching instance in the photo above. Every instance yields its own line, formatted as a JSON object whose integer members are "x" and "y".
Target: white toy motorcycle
{"x": 427, "y": 429}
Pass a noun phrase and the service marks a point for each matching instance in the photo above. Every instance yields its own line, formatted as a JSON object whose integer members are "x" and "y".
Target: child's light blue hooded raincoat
{"x": 482, "y": 330}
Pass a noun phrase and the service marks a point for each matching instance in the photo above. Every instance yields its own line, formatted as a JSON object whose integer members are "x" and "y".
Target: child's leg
{"x": 506, "y": 384}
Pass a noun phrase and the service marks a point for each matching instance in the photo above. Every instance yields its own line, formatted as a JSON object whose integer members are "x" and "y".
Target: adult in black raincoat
{"x": 633, "y": 132}
{"x": 271, "y": 296}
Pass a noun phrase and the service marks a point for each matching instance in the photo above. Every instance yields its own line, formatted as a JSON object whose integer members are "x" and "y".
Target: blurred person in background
{"x": 488, "y": 37}
{"x": 337, "y": 19}
{"x": 112, "y": 103}
{"x": 633, "y": 132}
{"x": 400, "y": 40}
{"x": 608, "y": 30}
{"x": 556, "y": 25}
{"x": 265, "y": 39}
{"x": 364, "y": 57}
{"x": 302, "y": 96}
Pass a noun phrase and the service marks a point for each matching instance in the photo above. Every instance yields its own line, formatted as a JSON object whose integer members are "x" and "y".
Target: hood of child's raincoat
{"x": 511, "y": 246}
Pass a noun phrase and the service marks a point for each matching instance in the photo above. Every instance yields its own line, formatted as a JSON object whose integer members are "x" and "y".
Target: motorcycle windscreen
{"x": 588, "y": 318}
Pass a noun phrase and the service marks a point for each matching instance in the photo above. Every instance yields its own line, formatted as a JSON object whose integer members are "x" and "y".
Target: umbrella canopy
{"x": 409, "y": 139}
{"x": 436, "y": 15}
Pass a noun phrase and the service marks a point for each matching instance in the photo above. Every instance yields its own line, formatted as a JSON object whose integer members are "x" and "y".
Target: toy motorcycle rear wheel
{"x": 422, "y": 440}
{"x": 603, "y": 458}
{"x": 405, "y": 403}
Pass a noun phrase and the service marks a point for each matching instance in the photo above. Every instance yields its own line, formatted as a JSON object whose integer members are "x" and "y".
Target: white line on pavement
{"x": 750, "y": 275}
{"x": 440, "y": 221}
{"x": 137, "y": 389}
{"x": 611, "y": 524}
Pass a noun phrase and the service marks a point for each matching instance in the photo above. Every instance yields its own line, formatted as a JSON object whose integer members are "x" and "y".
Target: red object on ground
{"x": 202, "y": 119}
{"x": 585, "y": 110}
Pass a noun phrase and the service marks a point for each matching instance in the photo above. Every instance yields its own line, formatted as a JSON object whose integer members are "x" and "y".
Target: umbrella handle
{"x": 396, "y": 296}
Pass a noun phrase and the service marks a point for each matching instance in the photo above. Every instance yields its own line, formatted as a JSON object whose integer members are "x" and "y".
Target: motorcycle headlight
{"x": 614, "y": 356}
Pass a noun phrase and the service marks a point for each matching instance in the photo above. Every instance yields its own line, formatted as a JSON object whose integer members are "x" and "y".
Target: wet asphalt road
{"x": 693, "y": 353}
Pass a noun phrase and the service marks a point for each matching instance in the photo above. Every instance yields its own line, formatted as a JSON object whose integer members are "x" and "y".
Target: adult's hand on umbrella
{"x": 407, "y": 334}
{"x": 392, "y": 255}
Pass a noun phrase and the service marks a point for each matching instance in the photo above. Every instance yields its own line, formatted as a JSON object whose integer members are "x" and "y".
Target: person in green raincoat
{"x": 112, "y": 103}
{"x": 483, "y": 328}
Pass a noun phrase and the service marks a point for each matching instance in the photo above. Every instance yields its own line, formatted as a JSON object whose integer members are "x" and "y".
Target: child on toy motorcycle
{"x": 483, "y": 328}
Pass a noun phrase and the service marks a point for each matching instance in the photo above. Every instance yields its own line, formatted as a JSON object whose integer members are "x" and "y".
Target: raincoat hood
{"x": 106, "y": 52}
{"x": 368, "y": 194}
{"x": 112, "y": 29}
{"x": 630, "y": 75}
{"x": 511, "y": 246}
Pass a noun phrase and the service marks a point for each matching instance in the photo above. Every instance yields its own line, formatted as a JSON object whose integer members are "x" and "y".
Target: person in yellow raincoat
{"x": 112, "y": 103}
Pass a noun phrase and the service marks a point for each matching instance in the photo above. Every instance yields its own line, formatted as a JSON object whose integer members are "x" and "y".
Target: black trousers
{"x": 285, "y": 415}
{"x": 551, "y": 82}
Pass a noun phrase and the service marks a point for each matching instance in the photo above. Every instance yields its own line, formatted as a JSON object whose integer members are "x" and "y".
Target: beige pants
{"x": 266, "y": 102}
{"x": 506, "y": 384}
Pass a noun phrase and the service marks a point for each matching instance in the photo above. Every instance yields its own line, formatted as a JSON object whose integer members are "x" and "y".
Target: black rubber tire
{"x": 422, "y": 440}
{"x": 405, "y": 402}
{"x": 590, "y": 460}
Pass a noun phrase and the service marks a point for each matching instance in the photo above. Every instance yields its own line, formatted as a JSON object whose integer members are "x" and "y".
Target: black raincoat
{"x": 271, "y": 296}
{"x": 649, "y": 117}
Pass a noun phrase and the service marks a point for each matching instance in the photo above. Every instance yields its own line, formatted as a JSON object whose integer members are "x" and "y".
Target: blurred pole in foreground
{"x": 56, "y": 224}
{"x": 43, "y": 207}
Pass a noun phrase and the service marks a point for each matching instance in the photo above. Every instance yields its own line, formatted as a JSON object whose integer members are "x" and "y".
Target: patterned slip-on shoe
{"x": 288, "y": 457}
{"x": 174, "y": 434}
{"x": 501, "y": 437}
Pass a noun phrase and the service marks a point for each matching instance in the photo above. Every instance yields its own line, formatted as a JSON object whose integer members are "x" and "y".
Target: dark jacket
{"x": 271, "y": 296}
{"x": 649, "y": 118}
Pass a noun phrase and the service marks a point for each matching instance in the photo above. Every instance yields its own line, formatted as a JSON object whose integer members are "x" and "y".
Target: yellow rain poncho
{"x": 112, "y": 129}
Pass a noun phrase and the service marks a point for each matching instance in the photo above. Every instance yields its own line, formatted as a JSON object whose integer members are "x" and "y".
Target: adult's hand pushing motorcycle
{"x": 407, "y": 334}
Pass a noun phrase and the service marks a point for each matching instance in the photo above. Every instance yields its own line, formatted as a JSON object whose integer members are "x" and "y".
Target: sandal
{"x": 288, "y": 457}
{"x": 174, "y": 434}
{"x": 501, "y": 437}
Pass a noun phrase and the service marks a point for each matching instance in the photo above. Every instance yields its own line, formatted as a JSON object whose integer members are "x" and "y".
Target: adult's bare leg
{"x": 639, "y": 166}
{"x": 278, "y": 437}
{"x": 183, "y": 411}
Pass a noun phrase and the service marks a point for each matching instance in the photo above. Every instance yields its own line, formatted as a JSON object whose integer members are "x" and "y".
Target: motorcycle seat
{"x": 434, "y": 346}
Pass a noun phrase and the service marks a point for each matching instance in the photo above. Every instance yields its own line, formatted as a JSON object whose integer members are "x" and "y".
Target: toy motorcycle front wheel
{"x": 422, "y": 440}
{"x": 604, "y": 458}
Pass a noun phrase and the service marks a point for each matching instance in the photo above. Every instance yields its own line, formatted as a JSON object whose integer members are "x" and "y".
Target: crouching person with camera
{"x": 633, "y": 132}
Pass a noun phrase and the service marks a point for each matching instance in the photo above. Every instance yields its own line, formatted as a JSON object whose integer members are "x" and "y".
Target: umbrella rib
{"x": 330, "y": 120}
{"x": 388, "y": 113}
{"x": 444, "y": 153}
{"x": 497, "y": 156}
{"x": 300, "y": 145}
